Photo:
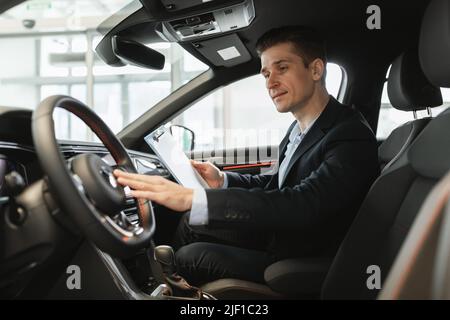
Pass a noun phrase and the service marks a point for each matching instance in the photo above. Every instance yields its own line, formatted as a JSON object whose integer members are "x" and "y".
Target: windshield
{"x": 49, "y": 49}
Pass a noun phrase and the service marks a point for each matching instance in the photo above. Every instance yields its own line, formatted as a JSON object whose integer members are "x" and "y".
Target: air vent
{"x": 151, "y": 167}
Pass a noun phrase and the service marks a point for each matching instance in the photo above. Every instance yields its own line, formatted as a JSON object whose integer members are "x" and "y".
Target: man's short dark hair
{"x": 308, "y": 43}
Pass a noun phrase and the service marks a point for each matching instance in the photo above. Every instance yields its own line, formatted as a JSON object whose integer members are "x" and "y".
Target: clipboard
{"x": 175, "y": 160}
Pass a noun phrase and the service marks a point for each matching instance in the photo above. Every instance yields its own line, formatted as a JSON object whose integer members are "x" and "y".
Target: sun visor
{"x": 224, "y": 51}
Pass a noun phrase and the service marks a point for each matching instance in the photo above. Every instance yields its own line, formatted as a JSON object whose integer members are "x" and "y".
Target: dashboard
{"x": 17, "y": 153}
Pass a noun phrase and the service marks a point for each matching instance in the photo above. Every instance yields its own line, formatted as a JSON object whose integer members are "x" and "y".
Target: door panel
{"x": 253, "y": 160}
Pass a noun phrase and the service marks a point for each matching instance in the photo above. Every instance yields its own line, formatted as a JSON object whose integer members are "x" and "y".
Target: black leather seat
{"x": 421, "y": 269}
{"x": 408, "y": 90}
{"x": 394, "y": 200}
{"x": 289, "y": 278}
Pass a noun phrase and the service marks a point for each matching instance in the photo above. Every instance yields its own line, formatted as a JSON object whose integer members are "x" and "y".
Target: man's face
{"x": 289, "y": 82}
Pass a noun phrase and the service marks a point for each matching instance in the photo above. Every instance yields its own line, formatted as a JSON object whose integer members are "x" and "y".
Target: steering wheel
{"x": 85, "y": 187}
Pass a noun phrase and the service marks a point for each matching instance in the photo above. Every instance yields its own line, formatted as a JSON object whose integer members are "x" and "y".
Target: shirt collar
{"x": 296, "y": 131}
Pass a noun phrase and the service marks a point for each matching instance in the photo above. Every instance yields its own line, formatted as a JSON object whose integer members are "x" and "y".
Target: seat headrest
{"x": 434, "y": 43}
{"x": 408, "y": 88}
{"x": 429, "y": 154}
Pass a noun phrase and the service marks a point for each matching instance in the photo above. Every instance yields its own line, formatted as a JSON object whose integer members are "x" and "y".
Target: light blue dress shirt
{"x": 199, "y": 209}
{"x": 295, "y": 138}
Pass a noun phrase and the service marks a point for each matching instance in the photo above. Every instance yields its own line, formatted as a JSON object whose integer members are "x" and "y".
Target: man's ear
{"x": 317, "y": 69}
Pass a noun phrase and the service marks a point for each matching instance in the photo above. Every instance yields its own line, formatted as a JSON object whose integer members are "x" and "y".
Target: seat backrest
{"x": 390, "y": 208}
{"x": 408, "y": 90}
{"x": 416, "y": 272}
{"x": 388, "y": 212}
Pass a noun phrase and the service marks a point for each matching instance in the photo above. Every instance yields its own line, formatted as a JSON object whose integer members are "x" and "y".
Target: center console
{"x": 106, "y": 277}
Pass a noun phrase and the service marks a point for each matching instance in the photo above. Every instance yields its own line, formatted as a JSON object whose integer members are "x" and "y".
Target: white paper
{"x": 175, "y": 160}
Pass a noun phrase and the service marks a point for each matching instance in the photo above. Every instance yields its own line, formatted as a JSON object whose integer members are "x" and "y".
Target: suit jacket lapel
{"x": 284, "y": 143}
{"x": 317, "y": 131}
{"x": 273, "y": 182}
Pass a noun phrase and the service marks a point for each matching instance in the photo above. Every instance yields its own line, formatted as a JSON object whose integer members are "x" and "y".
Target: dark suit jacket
{"x": 327, "y": 179}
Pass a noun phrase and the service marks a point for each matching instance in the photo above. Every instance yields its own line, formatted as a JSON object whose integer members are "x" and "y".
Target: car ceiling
{"x": 344, "y": 25}
{"x": 7, "y": 4}
{"x": 342, "y": 22}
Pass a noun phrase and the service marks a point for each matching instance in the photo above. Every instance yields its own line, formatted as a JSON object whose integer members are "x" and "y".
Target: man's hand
{"x": 212, "y": 175}
{"x": 158, "y": 189}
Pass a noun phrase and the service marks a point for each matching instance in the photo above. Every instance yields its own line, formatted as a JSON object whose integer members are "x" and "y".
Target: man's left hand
{"x": 158, "y": 189}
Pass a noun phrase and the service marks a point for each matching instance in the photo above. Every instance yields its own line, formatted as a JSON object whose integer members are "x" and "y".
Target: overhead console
{"x": 209, "y": 23}
{"x": 177, "y": 5}
{"x": 208, "y": 27}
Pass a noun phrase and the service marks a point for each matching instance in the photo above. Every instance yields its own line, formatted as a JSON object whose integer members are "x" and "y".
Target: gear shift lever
{"x": 177, "y": 285}
{"x": 166, "y": 257}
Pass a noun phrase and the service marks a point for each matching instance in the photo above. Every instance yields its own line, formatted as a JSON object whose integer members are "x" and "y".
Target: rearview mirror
{"x": 137, "y": 54}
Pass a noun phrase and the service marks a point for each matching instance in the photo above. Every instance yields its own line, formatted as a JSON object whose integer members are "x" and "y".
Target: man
{"x": 328, "y": 160}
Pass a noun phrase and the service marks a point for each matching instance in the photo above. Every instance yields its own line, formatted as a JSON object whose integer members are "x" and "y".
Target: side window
{"x": 391, "y": 118}
{"x": 241, "y": 115}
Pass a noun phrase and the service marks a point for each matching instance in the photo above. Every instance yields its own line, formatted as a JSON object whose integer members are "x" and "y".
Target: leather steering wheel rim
{"x": 96, "y": 225}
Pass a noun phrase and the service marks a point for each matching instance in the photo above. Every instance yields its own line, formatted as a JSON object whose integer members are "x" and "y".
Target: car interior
{"x": 60, "y": 208}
